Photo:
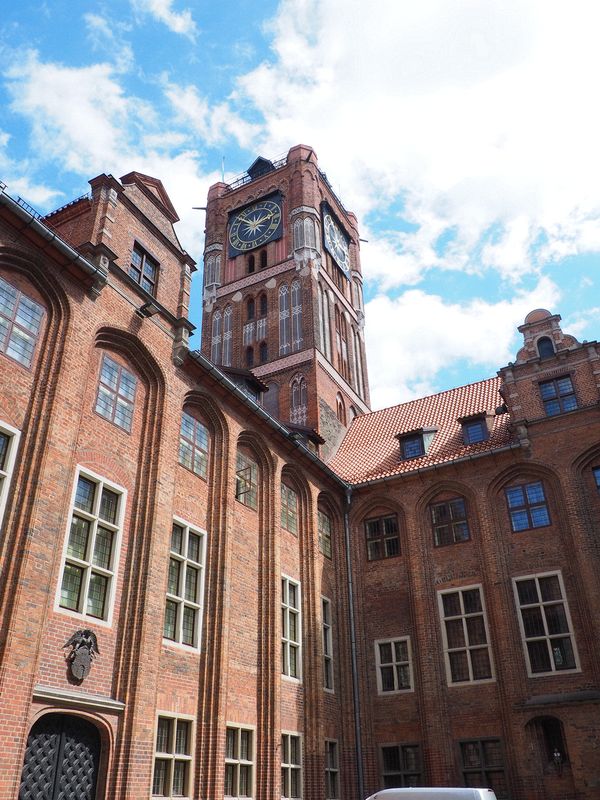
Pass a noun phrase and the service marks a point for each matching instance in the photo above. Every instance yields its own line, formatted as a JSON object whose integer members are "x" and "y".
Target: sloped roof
{"x": 371, "y": 449}
{"x": 154, "y": 189}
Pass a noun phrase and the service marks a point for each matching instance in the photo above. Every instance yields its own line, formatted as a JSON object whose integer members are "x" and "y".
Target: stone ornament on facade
{"x": 84, "y": 648}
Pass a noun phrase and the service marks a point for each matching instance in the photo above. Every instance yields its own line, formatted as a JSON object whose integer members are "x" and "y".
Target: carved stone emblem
{"x": 84, "y": 646}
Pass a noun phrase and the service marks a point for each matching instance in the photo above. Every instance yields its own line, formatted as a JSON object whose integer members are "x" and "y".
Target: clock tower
{"x": 283, "y": 301}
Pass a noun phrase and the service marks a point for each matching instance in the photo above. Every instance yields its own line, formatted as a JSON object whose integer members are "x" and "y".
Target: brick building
{"x": 291, "y": 596}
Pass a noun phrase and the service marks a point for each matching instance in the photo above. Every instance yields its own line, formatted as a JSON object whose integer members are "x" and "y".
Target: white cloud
{"x": 108, "y": 36}
{"x": 215, "y": 124}
{"x": 180, "y": 22}
{"x": 476, "y": 118}
{"x": 414, "y": 336}
{"x": 15, "y": 174}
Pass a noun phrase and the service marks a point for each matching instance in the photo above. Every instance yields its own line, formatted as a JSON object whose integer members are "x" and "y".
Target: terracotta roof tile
{"x": 371, "y": 450}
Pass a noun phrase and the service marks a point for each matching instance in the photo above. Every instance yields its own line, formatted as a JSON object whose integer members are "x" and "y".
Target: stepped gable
{"x": 371, "y": 449}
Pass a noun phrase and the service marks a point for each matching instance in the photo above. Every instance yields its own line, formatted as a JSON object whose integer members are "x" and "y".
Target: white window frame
{"x": 288, "y": 644}
{"x": 524, "y": 640}
{"x": 117, "y": 542}
{"x": 288, "y": 766}
{"x": 327, "y": 643}
{"x": 6, "y": 473}
{"x": 466, "y": 647}
{"x": 240, "y": 762}
{"x": 332, "y": 770}
{"x": 180, "y": 598}
{"x": 173, "y": 756}
{"x": 393, "y": 664}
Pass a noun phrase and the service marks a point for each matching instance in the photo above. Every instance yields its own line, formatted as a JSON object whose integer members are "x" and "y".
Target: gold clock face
{"x": 254, "y": 226}
{"x": 336, "y": 242}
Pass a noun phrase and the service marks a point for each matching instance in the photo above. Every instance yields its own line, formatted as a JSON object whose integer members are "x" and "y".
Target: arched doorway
{"x": 61, "y": 759}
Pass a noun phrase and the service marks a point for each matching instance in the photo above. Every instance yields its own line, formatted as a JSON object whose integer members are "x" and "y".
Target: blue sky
{"x": 463, "y": 134}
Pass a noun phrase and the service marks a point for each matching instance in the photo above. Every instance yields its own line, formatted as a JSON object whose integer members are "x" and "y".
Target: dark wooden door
{"x": 61, "y": 759}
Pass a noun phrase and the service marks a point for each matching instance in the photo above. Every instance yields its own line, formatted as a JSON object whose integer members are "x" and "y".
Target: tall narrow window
{"x": 251, "y": 264}
{"x": 290, "y": 628}
{"x": 263, "y": 350}
{"x": 449, "y": 521}
{"x": 263, "y": 305}
{"x": 239, "y": 762}
{"x": 324, "y": 524}
{"x": 20, "y": 322}
{"x": 216, "y": 337}
{"x": 545, "y": 624}
{"x": 227, "y": 336}
{"x": 116, "y": 393}
{"x": 173, "y": 758}
{"x": 249, "y": 357}
{"x": 298, "y": 405}
{"x": 212, "y": 271}
{"x": 89, "y": 566}
{"x": 143, "y": 269}
{"x": 324, "y": 323}
{"x": 284, "y": 320}
{"x": 289, "y": 508}
{"x": 296, "y": 315}
{"x": 394, "y": 666}
{"x": 263, "y": 259}
{"x": 340, "y": 409}
{"x": 466, "y": 639}
{"x": 9, "y": 439}
{"x": 401, "y": 765}
{"x": 382, "y": 537}
{"x": 332, "y": 770}
{"x": 483, "y": 765}
{"x": 291, "y": 766}
{"x": 250, "y": 308}
{"x": 327, "y": 625}
{"x": 527, "y": 506}
{"x": 185, "y": 585}
{"x": 193, "y": 445}
{"x": 246, "y": 483}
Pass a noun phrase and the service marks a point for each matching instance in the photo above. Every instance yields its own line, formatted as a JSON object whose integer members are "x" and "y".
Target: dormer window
{"x": 545, "y": 347}
{"x": 474, "y": 429}
{"x": 415, "y": 443}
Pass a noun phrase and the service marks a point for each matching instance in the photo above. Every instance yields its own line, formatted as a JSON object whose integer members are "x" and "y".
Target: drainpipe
{"x": 355, "y": 688}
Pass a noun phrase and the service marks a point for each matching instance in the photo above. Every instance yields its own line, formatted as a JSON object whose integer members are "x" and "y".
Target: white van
{"x": 434, "y": 794}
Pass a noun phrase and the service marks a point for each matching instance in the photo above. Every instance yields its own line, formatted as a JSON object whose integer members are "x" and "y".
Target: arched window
{"x": 249, "y": 357}
{"x": 340, "y": 409}
{"x": 548, "y": 739}
{"x": 296, "y": 315}
{"x": 284, "y": 320}
{"x": 263, "y": 259}
{"x": 298, "y": 401}
{"x": 357, "y": 292}
{"x": 227, "y": 336}
{"x": 545, "y": 347}
{"x": 353, "y": 412}
{"x": 324, "y": 323}
{"x": 382, "y": 536}
{"x": 263, "y": 352}
{"x": 250, "y": 308}
{"x": 215, "y": 346}
{"x": 271, "y": 399}
{"x": 212, "y": 271}
{"x": 304, "y": 234}
{"x": 360, "y": 380}
{"x": 341, "y": 342}
{"x": 251, "y": 266}
{"x": 193, "y": 444}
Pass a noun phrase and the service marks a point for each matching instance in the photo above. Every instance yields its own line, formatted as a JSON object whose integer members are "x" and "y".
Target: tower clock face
{"x": 254, "y": 226}
{"x": 336, "y": 241}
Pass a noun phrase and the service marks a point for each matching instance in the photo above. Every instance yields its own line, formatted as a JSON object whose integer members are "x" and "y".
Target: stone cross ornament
{"x": 84, "y": 646}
